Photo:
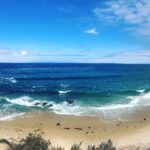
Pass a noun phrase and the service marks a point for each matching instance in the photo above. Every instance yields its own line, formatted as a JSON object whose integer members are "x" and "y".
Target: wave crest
{"x": 108, "y": 111}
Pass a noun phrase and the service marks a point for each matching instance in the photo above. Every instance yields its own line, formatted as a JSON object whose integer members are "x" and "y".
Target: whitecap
{"x": 141, "y": 91}
{"x": 24, "y": 101}
{"x": 111, "y": 111}
{"x": 12, "y": 80}
{"x": 64, "y": 92}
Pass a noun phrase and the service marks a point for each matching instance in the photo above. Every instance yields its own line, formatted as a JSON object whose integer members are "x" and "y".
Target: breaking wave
{"x": 112, "y": 111}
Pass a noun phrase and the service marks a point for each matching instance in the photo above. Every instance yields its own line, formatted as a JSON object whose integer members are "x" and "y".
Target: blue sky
{"x": 92, "y": 31}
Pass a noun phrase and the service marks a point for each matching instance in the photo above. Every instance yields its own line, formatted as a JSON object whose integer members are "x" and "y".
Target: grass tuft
{"x": 36, "y": 142}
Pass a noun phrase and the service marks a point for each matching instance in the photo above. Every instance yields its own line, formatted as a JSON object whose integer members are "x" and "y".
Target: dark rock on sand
{"x": 78, "y": 128}
{"x": 58, "y": 124}
{"x": 67, "y": 128}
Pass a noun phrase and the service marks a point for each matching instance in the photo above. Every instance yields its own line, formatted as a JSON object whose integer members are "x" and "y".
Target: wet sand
{"x": 64, "y": 130}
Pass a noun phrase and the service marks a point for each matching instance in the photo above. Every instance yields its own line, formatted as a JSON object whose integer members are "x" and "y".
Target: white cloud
{"x": 91, "y": 31}
{"x": 23, "y": 53}
{"x": 140, "y": 56}
{"x": 129, "y": 57}
{"x": 134, "y": 13}
{"x": 10, "y": 55}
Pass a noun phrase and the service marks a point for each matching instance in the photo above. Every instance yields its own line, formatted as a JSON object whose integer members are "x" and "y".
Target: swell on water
{"x": 111, "y": 111}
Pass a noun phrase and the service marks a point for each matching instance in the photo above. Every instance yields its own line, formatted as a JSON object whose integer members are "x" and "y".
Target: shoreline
{"x": 65, "y": 130}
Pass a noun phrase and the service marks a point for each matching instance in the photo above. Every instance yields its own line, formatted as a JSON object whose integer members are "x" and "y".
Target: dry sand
{"x": 64, "y": 130}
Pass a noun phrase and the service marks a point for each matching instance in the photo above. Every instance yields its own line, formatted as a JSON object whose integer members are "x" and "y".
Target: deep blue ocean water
{"x": 105, "y": 90}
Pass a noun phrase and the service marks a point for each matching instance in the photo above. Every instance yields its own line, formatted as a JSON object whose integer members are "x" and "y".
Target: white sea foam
{"x": 141, "y": 91}
{"x": 11, "y": 117}
{"x": 24, "y": 101}
{"x": 107, "y": 111}
{"x": 64, "y": 92}
{"x": 12, "y": 80}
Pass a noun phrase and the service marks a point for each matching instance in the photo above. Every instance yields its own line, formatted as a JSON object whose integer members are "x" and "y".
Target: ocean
{"x": 112, "y": 91}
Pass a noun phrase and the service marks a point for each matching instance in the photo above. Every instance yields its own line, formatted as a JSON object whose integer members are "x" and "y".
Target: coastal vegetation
{"x": 37, "y": 142}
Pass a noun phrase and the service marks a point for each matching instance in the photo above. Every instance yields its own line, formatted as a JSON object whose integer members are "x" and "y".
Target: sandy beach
{"x": 64, "y": 130}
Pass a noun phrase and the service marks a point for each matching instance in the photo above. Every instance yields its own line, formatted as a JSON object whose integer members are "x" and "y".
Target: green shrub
{"x": 76, "y": 146}
{"x": 56, "y": 148}
{"x": 36, "y": 142}
{"x": 31, "y": 142}
{"x": 103, "y": 146}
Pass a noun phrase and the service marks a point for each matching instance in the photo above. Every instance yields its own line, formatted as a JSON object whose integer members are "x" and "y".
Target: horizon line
{"x": 73, "y": 63}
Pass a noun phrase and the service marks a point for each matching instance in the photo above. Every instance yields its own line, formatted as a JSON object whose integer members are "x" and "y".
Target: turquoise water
{"x": 105, "y": 90}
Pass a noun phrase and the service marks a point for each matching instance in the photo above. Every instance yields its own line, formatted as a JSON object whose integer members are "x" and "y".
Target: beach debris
{"x": 78, "y": 128}
{"x": 87, "y": 133}
{"x": 92, "y": 132}
{"x": 145, "y": 119}
{"x": 118, "y": 125}
{"x": 67, "y": 128}
{"x": 69, "y": 101}
{"x": 89, "y": 127}
{"x": 58, "y": 124}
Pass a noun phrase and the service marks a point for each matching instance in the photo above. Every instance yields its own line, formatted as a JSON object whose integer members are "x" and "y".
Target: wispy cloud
{"x": 133, "y": 57}
{"x": 91, "y": 31}
{"x": 9, "y": 55}
{"x": 132, "y": 13}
